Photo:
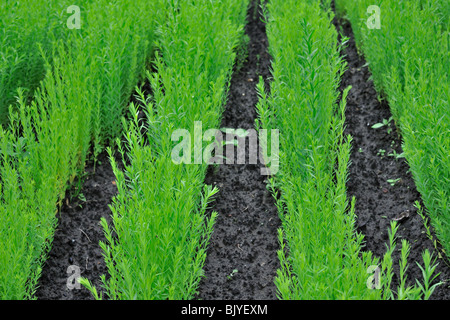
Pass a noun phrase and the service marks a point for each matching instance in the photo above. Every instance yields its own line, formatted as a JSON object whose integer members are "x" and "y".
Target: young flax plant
{"x": 404, "y": 291}
{"x": 156, "y": 244}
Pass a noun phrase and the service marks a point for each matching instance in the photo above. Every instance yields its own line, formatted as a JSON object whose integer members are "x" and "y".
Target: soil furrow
{"x": 373, "y": 163}
{"x": 242, "y": 257}
{"x": 76, "y": 240}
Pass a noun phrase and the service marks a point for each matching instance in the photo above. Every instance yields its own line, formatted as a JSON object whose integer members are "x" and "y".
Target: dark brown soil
{"x": 76, "y": 240}
{"x": 377, "y": 201}
{"x": 245, "y": 233}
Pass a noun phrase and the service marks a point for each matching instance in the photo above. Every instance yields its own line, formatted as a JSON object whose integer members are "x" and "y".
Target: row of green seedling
{"x": 156, "y": 245}
{"x": 320, "y": 255}
{"x": 75, "y": 110}
{"x": 406, "y": 45}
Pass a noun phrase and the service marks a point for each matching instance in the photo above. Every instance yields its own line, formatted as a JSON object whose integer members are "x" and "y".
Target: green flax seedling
{"x": 417, "y": 290}
{"x": 396, "y": 155}
{"x": 384, "y": 123}
{"x": 393, "y": 182}
{"x": 403, "y": 292}
{"x": 232, "y": 274}
{"x": 427, "y": 273}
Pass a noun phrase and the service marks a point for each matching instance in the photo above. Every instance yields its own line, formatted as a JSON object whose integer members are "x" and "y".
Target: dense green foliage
{"x": 409, "y": 58}
{"x": 66, "y": 93}
{"x": 78, "y": 105}
{"x": 25, "y": 29}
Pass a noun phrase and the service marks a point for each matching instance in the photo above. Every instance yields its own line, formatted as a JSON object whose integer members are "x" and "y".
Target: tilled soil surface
{"x": 76, "y": 240}
{"x": 245, "y": 234}
{"x": 377, "y": 201}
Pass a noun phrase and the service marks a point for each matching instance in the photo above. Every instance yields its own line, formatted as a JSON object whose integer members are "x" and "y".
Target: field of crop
{"x": 147, "y": 96}
{"x": 410, "y": 63}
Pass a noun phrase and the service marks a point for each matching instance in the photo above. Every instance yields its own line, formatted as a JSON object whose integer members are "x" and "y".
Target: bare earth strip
{"x": 242, "y": 257}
